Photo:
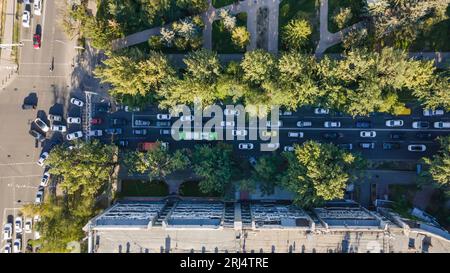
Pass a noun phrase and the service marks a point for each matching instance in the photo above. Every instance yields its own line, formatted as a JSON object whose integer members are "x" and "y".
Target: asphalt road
{"x": 351, "y": 134}
{"x": 19, "y": 173}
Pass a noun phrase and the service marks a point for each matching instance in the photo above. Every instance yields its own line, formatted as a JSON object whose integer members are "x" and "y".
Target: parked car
{"x": 163, "y": 116}
{"x": 269, "y": 133}
{"x": 346, "y": 146}
{"x": 231, "y": 112}
{"x": 285, "y": 113}
{"x": 18, "y": 225}
{"x": 140, "y": 122}
{"x": 166, "y": 131}
{"x": 28, "y": 225}
{"x": 367, "y": 145}
{"x": 363, "y": 124}
{"x": 276, "y": 124}
{"x": 394, "y": 123}
{"x": 391, "y": 145}
{"x": 42, "y": 159}
{"x": 37, "y": 7}
{"x": 102, "y": 107}
{"x": 73, "y": 120}
{"x": 36, "y": 41}
{"x": 368, "y": 134}
{"x": 295, "y": 134}
{"x": 130, "y": 108}
{"x": 163, "y": 124}
{"x": 304, "y": 123}
{"x": 241, "y": 132}
{"x": 442, "y": 124}
{"x": 332, "y": 124}
{"x": 123, "y": 143}
{"x": 95, "y": 133}
{"x": 7, "y": 231}
{"x": 74, "y": 135}
{"x": 227, "y": 123}
{"x": 39, "y": 195}
{"x": 288, "y": 148}
{"x": 42, "y": 125}
{"x": 54, "y": 118}
{"x": 270, "y": 145}
{"x": 96, "y": 121}
{"x": 321, "y": 111}
{"x": 118, "y": 122}
{"x": 420, "y": 124}
{"x": 17, "y": 246}
{"x": 430, "y": 112}
{"x": 7, "y": 248}
{"x": 141, "y": 132}
{"x": 424, "y": 135}
{"x": 396, "y": 136}
{"x": 37, "y": 135}
{"x": 113, "y": 131}
{"x": 59, "y": 128}
{"x": 245, "y": 146}
{"x": 187, "y": 118}
{"x": 26, "y": 17}
{"x": 45, "y": 178}
{"x": 417, "y": 148}
{"x": 76, "y": 102}
{"x": 332, "y": 135}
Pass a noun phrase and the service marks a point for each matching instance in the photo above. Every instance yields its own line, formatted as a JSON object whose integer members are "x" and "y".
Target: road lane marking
{"x": 20, "y": 176}
{"x": 17, "y": 163}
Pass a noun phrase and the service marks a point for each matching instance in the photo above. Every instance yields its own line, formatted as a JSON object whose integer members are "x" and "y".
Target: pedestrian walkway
{"x": 8, "y": 67}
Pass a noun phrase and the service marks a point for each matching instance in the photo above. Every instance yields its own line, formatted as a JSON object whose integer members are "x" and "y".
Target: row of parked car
{"x": 18, "y": 228}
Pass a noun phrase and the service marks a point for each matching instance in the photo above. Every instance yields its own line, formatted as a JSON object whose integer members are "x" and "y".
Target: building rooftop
{"x": 270, "y": 215}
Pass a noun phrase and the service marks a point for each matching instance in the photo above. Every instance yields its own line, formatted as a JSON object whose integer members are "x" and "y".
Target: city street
{"x": 19, "y": 151}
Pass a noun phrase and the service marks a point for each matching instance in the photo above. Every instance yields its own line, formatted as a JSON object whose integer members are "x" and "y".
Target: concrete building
{"x": 175, "y": 225}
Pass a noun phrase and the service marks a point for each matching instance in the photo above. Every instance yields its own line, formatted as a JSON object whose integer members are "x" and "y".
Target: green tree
{"x": 214, "y": 165}
{"x": 342, "y": 17}
{"x": 85, "y": 168}
{"x": 266, "y": 173}
{"x": 439, "y": 165}
{"x": 240, "y": 37}
{"x": 203, "y": 66}
{"x": 296, "y": 33}
{"x": 157, "y": 162}
{"x": 258, "y": 66}
{"x": 319, "y": 172}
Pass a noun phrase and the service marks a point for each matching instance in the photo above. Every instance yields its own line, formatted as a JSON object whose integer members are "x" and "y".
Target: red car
{"x": 37, "y": 41}
{"x": 96, "y": 121}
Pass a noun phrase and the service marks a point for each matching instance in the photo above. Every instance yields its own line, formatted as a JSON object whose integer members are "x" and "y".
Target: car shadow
{"x": 31, "y": 99}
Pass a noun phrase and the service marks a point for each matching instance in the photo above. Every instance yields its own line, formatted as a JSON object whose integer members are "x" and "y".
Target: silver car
{"x": 74, "y": 135}
{"x": 42, "y": 125}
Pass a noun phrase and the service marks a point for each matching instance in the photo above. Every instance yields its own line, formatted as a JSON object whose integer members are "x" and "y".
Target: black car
{"x": 114, "y": 131}
{"x": 122, "y": 143}
{"x": 396, "y": 136}
{"x": 332, "y": 135}
{"x": 102, "y": 107}
{"x": 37, "y": 135}
{"x": 118, "y": 121}
{"x": 391, "y": 145}
{"x": 424, "y": 135}
{"x": 27, "y": 106}
{"x": 363, "y": 124}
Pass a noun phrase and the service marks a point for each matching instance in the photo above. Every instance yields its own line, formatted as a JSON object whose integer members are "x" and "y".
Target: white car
{"x": 7, "y": 248}
{"x": 321, "y": 111}
{"x": 295, "y": 134}
{"x": 270, "y": 145}
{"x": 239, "y": 132}
{"x": 227, "y": 123}
{"x": 131, "y": 109}
{"x": 187, "y": 118}
{"x": 37, "y": 235}
{"x": 73, "y": 120}
{"x": 18, "y": 225}
{"x": 17, "y": 246}
{"x": 59, "y": 128}
{"x": 285, "y": 113}
{"x": 74, "y": 135}
{"x": 76, "y": 102}
{"x": 231, "y": 112}
{"x": 246, "y": 146}
{"x": 367, "y": 134}
{"x": 394, "y": 123}
{"x": 28, "y": 225}
{"x": 288, "y": 148}
{"x": 36, "y": 218}
{"x": 54, "y": 118}
{"x": 39, "y": 197}
{"x": 420, "y": 124}
{"x": 37, "y": 7}
{"x": 7, "y": 231}
{"x": 26, "y": 16}
{"x": 442, "y": 124}
{"x": 42, "y": 159}
{"x": 45, "y": 178}
{"x": 277, "y": 124}
{"x": 417, "y": 148}
{"x": 304, "y": 124}
{"x": 95, "y": 133}
{"x": 42, "y": 125}
{"x": 430, "y": 112}
{"x": 163, "y": 116}
{"x": 332, "y": 124}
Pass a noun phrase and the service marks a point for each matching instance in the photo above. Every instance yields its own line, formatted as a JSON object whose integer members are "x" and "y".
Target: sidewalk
{"x": 7, "y": 65}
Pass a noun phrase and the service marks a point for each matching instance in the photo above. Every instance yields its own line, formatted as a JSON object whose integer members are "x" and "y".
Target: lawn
{"x": 356, "y": 7}
{"x": 222, "y": 3}
{"x": 300, "y": 9}
{"x": 144, "y": 188}
{"x": 191, "y": 189}
{"x": 221, "y": 38}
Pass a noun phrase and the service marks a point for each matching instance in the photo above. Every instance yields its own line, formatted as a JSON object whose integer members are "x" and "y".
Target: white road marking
{"x": 17, "y": 163}
{"x": 20, "y": 176}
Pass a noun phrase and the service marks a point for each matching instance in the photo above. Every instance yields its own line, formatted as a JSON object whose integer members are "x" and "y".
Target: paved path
{"x": 7, "y": 64}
